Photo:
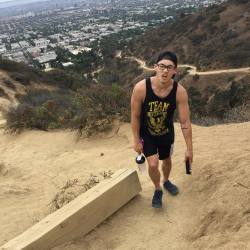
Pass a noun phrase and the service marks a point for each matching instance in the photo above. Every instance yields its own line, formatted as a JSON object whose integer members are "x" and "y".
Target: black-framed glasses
{"x": 163, "y": 67}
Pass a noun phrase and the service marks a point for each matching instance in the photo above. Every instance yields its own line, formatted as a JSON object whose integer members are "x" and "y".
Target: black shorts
{"x": 157, "y": 144}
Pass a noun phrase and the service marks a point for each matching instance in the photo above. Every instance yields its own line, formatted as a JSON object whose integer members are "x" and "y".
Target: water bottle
{"x": 140, "y": 160}
{"x": 188, "y": 167}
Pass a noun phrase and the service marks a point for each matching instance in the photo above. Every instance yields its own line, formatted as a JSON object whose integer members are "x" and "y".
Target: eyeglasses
{"x": 163, "y": 67}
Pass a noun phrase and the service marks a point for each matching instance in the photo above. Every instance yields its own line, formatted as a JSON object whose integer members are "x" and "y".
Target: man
{"x": 153, "y": 104}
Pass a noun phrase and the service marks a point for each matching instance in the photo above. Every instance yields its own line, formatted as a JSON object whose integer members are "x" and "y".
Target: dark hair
{"x": 168, "y": 55}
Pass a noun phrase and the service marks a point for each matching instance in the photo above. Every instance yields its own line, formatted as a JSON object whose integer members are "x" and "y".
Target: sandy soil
{"x": 212, "y": 210}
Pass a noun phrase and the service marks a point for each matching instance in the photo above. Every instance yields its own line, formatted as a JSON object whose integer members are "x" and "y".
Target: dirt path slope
{"x": 211, "y": 212}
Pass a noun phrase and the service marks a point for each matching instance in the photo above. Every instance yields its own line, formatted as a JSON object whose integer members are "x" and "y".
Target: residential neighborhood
{"x": 33, "y": 37}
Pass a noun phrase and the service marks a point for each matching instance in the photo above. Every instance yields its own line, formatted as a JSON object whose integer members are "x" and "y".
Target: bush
{"x": 239, "y": 94}
{"x": 181, "y": 74}
{"x": 197, "y": 39}
{"x": 197, "y": 101}
{"x": 9, "y": 83}
{"x": 20, "y": 77}
{"x": 219, "y": 104}
{"x": 214, "y": 18}
{"x": 229, "y": 34}
{"x": 237, "y": 57}
{"x": 92, "y": 110}
{"x": 237, "y": 114}
{"x": 196, "y": 77}
{"x": 203, "y": 120}
{"x": 2, "y": 93}
{"x": 12, "y": 66}
{"x": 19, "y": 117}
{"x": 59, "y": 78}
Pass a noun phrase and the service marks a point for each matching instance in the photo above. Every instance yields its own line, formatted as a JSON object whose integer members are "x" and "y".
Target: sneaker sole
{"x": 156, "y": 206}
{"x": 173, "y": 194}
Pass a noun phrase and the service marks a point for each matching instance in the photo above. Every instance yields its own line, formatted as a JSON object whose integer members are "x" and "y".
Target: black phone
{"x": 188, "y": 167}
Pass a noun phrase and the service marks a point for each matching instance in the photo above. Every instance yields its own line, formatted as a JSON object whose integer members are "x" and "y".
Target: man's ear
{"x": 173, "y": 76}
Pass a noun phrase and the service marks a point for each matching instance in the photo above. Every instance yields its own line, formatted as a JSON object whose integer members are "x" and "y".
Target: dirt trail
{"x": 211, "y": 211}
{"x": 30, "y": 156}
{"x": 193, "y": 69}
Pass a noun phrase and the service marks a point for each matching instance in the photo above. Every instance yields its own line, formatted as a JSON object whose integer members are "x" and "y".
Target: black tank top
{"x": 157, "y": 113}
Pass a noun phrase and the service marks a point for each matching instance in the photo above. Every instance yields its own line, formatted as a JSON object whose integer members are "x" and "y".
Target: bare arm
{"x": 136, "y": 102}
{"x": 184, "y": 117}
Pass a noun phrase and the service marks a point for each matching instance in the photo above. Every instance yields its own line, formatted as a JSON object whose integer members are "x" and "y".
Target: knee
{"x": 153, "y": 166}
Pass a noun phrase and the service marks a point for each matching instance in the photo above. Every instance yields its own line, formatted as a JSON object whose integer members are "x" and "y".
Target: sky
{"x": 6, "y": 3}
{"x": 2, "y": 1}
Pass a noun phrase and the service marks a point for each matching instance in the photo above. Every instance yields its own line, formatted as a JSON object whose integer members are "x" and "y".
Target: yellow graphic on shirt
{"x": 156, "y": 117}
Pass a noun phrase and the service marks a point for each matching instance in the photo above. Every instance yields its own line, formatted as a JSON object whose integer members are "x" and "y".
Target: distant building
{"x": 41, "y": 43}
{"x": 26, "y": 36}
{"x": 3, "y": 37}
{"x": 15, "y": 46}
{"x": 19, "y": 57}
{"x": 34, "y": 51}
{"x": 75, "y": 34}
{"x": 79, "y": 50}
{"x": 67, "y": 64}
{"x": 56, "y": 36}
{"x": 47, "y": 57}
{"x": 2, "y": 49}
{"x": 24, "y": 44}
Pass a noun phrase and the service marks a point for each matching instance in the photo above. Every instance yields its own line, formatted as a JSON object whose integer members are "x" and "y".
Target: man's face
{"x": 165, "y": 69}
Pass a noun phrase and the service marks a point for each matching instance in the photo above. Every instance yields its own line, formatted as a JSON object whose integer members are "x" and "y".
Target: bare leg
{"x": 166, "y": 168}
{"x": 153, "y": 171}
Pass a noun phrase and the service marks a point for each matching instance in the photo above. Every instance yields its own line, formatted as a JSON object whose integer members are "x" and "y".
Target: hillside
{"x": 34, "y": 99}
{"x": 211, "y": 212}
{"x": 213, "y": 38}
{"x": 221, "y": 97}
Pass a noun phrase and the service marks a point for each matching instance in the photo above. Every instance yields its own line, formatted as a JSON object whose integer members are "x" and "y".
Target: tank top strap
{"x": 148, "y": 87}
{"x": 175, "y": 86}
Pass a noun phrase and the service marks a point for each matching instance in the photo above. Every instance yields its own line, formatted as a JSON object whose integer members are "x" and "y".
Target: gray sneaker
{"x": 171, "y": 188}
{"x": 157, "y": 199}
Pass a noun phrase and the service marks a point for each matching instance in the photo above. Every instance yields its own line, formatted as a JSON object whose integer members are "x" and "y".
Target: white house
{"x": 2, "y": 49}
{"x": 24, "y": 44}
{"x": 15, "y": 46}
{"x": 47, "y": 57}
{"x": 41, "y": 43}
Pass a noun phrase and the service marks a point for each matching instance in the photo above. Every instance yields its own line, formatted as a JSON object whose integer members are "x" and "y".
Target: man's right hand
{"x": 138, "y": 147}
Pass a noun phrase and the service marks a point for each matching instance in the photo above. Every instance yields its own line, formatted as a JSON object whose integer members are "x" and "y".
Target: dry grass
{"x": 74, "y": 188}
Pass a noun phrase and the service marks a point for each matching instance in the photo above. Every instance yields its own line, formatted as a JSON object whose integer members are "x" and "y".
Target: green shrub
{"x": 8, "y": 83}
{"x": 20, "y": 77}
{"x": 12, "y": 66}
{"x": 198, "y": 38}
{"x": 214, "y": 18}
{"x": 59, "y": 78}
{"x": 196, "y": 77}
{"x": 2, "y": 93}
{"x": 91, "y": 111}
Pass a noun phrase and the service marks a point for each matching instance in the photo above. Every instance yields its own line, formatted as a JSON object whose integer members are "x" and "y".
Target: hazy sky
{"x": 1, "y": 1}
{"x": 6, "y": 1}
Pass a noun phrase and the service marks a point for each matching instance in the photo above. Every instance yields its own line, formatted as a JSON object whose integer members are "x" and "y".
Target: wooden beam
{"x": 81, "y": 215}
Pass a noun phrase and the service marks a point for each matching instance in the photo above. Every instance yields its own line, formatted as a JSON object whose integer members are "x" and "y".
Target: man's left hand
{"x": 189, "y": 156}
